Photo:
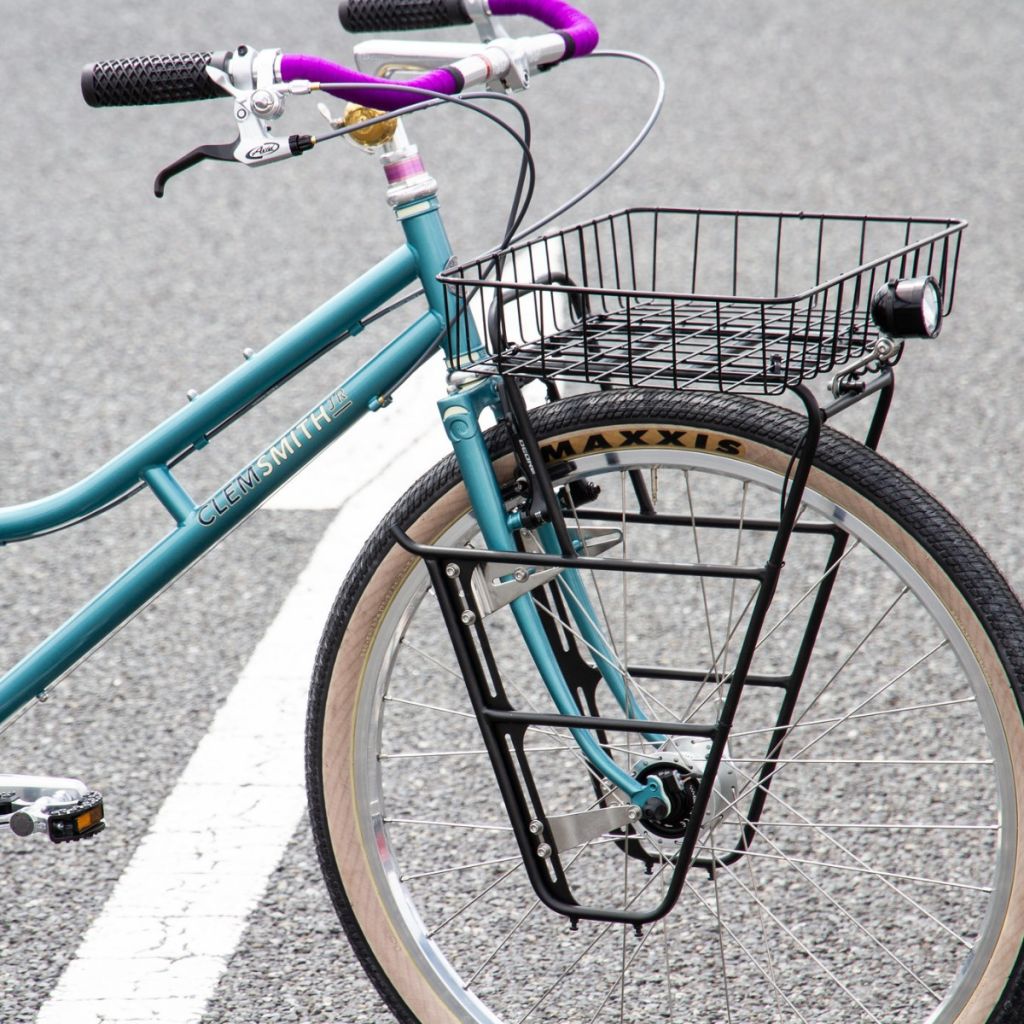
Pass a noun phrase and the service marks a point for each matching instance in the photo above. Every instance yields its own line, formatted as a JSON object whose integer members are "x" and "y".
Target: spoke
{"x": 831, "y": 571}
{"x": 833, "y": 841}
{"x": 721, "y": 932}
{"x": 413, "y": 754}
{"x": 734, "y": 583}
{"x": 695, "y": 707}
{"x": 470, "y": 902}
{"x": 501, "y": 945}
{"x": 566, "y": 743}
{"x": 863, "y": 871}
{"x": 867, "y": 761}
{"x": 620, "y": 980}
{"x": 433, "y": 661}
{"x": 802, "y": 946}
{"x": 515, "y": 928}
{"x": 764, "y": 939}
{"x": 614, "y": 661}
{"x": 447, "y": 824}
{"x": 853, "y": 653}
{"x": 669, "y": 984}
{"x": 759, "y": 781}
{"x": 429, "y": 707}
{"x": 862, "y": 825}
{"x": 743, "y": 949}
{"x": 698, "y": 704}
{"x": 867, "y": 700}
{"x": 849, "y": 657}
{"x": 456, "y": 868}
{"x": 814, "y": 723}
{"x": 597, "y": 938}
{"x": 795, "y": 865}
{"x": 703, "y": 587}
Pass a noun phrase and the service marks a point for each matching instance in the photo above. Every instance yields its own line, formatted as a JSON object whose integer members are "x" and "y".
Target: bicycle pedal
{"x": 81, "y": 820}
{"x": 65, "y": 809}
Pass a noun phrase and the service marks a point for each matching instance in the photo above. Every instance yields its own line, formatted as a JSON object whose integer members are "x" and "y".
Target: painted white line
{"x": 177, "y": 913}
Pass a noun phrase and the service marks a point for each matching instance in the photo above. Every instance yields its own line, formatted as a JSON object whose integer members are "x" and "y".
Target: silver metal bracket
{"x": 496, "y": 584}
{"x": 849, "y": 380}
{"x": 255, "y": 108}
{"x": 480, "y": 12}
{"x": 572, "y": 830}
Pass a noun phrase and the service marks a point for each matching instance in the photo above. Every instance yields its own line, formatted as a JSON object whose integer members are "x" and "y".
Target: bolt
{"x": 521, "y": 575}
{"x": 633, "y": 813}
{"x": 451, "y": 570}
{"x": 468, "y": 618}
{"x": 543, "y": 851}
{"x": 262, "y": 102}
{"x": 247, "y": 353}
{"x": 536, "y": 827}
{"x": 191, "y": 394}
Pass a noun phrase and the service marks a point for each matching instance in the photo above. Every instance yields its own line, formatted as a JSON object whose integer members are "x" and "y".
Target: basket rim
{"x": 953, "y": 226}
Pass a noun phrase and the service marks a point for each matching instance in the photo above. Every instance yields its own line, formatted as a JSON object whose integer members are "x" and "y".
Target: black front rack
{"x": 751, "y": 301}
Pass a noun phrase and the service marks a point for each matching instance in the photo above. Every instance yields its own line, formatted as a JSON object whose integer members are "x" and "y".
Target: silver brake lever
{"x": 253, "y": 111}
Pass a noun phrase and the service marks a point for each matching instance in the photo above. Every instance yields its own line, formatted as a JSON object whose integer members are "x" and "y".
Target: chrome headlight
{"x": 908, "y": 308}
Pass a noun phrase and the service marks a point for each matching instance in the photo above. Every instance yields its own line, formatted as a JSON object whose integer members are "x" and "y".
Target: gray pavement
{"x": 114, "y": 304}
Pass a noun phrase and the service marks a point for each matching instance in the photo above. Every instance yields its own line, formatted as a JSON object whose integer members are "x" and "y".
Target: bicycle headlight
{"x": 908, "y": 308}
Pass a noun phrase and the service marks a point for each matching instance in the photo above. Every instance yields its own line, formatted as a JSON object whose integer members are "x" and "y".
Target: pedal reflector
{"x": 77, "y": 821}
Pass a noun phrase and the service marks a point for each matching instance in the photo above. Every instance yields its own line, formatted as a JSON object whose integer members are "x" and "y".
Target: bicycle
{"x": 604, "y": 438}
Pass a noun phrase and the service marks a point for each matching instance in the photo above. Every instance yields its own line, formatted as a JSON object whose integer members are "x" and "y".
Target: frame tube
{"x": 190, "y": 425}
{"x": 207, "y": 524}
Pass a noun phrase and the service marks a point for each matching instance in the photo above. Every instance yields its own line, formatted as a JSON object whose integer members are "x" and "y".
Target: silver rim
{"x": 883, "y": 863}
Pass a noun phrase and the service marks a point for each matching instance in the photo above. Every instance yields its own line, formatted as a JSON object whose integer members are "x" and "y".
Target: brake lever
{"x": 225, "y": 151}
{"x": 254, "y": 144}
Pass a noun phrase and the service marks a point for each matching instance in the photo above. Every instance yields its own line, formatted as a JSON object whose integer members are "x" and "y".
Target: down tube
{"x": 210, "y": 521}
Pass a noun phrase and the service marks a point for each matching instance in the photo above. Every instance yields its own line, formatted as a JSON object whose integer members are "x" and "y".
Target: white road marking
{"x": 176, "y": 915}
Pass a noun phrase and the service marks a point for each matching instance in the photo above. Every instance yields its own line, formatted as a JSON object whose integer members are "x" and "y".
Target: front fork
{"x": 460, "y": 413}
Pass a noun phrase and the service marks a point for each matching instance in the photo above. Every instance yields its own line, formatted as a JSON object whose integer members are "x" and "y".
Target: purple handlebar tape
{"x": 555, "y": 14}
{"x": 377, "y": 93}
{"x": 579, "y": 31}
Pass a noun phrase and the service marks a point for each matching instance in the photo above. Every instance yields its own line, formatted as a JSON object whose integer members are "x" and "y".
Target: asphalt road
{"x": 114, "y": 305}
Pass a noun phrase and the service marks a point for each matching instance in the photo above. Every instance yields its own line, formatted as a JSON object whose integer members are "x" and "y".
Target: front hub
{"x": 680, "y": 786}
{"x": 680, "y": 772}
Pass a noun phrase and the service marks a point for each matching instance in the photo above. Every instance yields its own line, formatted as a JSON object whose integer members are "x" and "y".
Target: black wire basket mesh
{"x": 686, "y": 298}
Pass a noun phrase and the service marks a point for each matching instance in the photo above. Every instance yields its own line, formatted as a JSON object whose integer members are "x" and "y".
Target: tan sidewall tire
{"x": 348, "y": 838}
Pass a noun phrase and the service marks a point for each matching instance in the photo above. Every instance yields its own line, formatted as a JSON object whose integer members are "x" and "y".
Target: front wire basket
{"x": 684, "y": 298}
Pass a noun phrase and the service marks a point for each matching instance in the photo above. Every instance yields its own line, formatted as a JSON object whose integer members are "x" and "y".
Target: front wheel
{"x": 883, "y": 879}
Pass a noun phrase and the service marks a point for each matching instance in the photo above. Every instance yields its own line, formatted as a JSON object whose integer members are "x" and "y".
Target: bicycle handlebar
{"x": 175, "y": 78}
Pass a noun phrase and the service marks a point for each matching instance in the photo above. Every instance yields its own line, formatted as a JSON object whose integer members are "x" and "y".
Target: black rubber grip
{"x": 138, "y": 81}
{"x": 400, "y": 15}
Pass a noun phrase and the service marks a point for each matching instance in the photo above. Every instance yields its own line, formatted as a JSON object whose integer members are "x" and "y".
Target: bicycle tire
{"x": 942, "y": 905}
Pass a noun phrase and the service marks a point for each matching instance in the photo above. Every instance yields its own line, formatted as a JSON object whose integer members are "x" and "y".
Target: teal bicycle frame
{"x": 201, "y": 525}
